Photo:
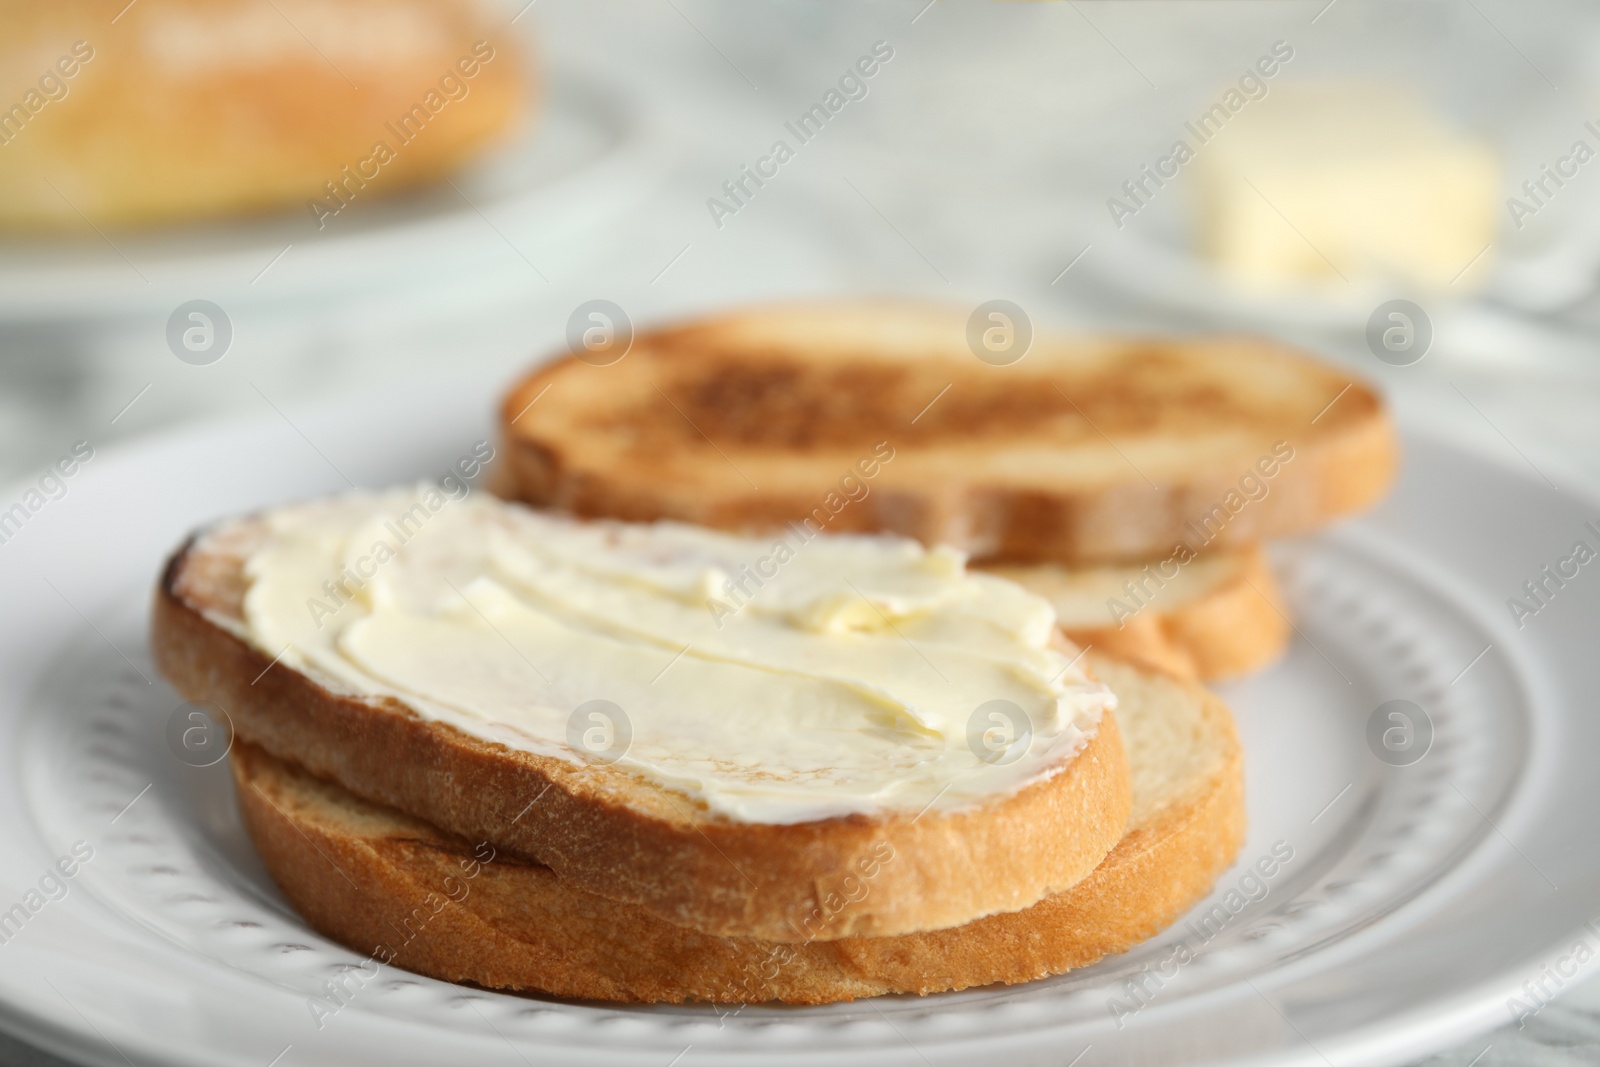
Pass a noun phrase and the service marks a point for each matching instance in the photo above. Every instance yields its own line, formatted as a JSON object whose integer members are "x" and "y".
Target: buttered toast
{"x": 531, "y": 608}
{"x": 455, "y": 908}
{"x": 881, "y": 417}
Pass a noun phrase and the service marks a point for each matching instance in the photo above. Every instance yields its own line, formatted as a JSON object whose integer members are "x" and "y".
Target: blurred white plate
{"x": 580, "y": 157}
{"x": 1417, "y": 899}
{"x": 1154, "y": 256}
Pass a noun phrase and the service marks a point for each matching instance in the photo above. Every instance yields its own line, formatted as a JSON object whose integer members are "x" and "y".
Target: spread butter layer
{"x": 779, "y": 678}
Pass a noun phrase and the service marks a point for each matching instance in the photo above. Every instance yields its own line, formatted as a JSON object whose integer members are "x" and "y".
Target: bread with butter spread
{"x": 603, "y": 827}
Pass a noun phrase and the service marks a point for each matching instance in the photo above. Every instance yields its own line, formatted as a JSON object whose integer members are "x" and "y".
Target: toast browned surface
{"x": 1217, "y": 616}
{"x": 616, "y": 834}
{"x": 187, "y": 109}
{"x": 443, "y": 905}
{"x": 870, "y": 417}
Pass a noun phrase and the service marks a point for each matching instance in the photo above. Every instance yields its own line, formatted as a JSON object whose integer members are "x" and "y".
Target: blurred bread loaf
{"x": 118, "y": 114}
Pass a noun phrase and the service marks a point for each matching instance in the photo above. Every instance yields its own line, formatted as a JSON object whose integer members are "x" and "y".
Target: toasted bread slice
{"x": 880, "y": 417}
{"x": 1218, "y": 615}
{"x": 611, "y": 832}
{"x": 438, "y": 904}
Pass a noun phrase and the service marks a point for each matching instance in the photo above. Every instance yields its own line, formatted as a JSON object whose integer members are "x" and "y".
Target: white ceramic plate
{"x": 580, "y": 155}
{"x": 1155, "y": 256}
{"x": 1417, "y": 900}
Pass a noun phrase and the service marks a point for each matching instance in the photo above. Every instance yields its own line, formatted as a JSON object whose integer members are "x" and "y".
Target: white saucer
{"x": 580, "y": 156}
{"x": 1417, "y": 901}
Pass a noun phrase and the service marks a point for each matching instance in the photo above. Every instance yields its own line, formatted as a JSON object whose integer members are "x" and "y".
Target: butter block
{"x": 1316, "y": 182}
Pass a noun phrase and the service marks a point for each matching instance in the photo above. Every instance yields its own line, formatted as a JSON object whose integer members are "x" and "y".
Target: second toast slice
{"x": 1211, "y": 617}
{"x": 884, "y": 417}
